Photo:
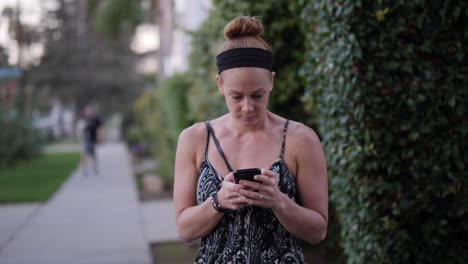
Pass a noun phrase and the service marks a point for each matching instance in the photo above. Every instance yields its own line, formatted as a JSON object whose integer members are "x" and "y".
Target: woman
{"x": 252, "y": 221}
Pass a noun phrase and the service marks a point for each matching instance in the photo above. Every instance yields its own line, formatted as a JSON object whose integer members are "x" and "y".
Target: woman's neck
{"x": 239, "y": 128}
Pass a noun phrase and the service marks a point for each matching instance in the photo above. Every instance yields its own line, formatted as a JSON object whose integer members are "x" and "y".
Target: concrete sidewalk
{"x": 159, "y": 221}
{"x": 92, "y": 220}
{"x": 13, "y": 218}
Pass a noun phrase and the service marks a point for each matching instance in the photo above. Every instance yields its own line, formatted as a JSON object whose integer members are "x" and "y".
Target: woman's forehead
{"x": 246, "y": 74}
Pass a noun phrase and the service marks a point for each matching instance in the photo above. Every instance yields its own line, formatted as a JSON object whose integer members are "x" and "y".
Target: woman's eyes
{"x": 240, "y": 97}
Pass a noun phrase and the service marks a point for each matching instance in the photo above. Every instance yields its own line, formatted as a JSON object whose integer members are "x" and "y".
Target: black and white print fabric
{"x": 252, "y": 234}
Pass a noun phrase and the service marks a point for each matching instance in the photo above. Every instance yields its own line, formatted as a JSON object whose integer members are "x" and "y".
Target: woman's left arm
{"x": 309, "y": 220}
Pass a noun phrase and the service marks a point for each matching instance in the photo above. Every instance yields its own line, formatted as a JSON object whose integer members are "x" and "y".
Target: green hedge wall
{"x": 391, "y": 82}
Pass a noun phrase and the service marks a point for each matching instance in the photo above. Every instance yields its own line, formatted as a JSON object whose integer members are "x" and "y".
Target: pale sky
{"x": 30, "y": 14}
{"x": 31, "y": 9}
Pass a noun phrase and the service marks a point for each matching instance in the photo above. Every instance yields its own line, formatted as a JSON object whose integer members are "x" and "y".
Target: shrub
{"x": 390, "y": 79}
{"x": 19, "y": 140}
{"x": 140, "y": 123}
{"x": 174, "y": 118}
{"x": 161, "y": 114}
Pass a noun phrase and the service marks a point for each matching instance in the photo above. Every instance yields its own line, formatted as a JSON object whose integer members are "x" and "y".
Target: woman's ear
{"x": 220, "y": 83}
{"x": 272, "y": 80}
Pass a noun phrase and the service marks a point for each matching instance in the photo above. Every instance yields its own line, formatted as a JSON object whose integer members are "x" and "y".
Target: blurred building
{"x": 58, "y": 123}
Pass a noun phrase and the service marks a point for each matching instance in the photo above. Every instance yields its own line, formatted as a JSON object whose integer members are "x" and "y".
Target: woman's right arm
{"x": 195, "y": 221}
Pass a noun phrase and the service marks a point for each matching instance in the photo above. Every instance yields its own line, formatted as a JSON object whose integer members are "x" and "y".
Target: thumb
{"x": 267, "y": 172}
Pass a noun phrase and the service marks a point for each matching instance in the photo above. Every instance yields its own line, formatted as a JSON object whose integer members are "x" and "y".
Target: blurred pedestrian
{"x": 89, "y": 133}
{"x": 257, "y": 220}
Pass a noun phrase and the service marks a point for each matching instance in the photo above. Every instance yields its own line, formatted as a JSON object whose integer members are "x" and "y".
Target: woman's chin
{"x": 248, "y": 120}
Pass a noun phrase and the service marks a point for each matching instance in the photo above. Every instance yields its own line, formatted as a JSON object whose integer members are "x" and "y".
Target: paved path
{"x": 90, "y": 220}
{"x": 13, "y": 218}
{"x": 159, "y": 221}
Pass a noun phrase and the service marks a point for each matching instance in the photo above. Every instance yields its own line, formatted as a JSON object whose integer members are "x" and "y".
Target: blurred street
{"x": 93, "y": 219}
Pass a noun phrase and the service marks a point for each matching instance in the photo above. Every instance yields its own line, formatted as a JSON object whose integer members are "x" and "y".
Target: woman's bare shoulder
{"x": 307, "y": 150}
{"x": 193, "y": 137}
{"x": 302, "y": 135}
{"x": 191, "y": 142}
{"x": 194, "y": 131}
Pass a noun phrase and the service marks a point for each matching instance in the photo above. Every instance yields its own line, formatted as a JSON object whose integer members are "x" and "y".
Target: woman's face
{"x": 246, "y": 91}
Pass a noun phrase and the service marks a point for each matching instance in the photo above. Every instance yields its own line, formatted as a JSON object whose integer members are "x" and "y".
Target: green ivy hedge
{"x": 391, "y": 83}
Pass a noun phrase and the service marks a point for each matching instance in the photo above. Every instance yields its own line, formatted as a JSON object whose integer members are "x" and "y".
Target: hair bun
{"x": 243, "y": 26}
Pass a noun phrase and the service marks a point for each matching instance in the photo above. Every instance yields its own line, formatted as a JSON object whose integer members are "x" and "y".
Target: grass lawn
{"x": 37, "y": 179}
{"x": 173, "y": 253}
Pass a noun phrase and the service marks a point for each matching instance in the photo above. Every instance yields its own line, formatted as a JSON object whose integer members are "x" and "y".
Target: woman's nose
{"x": 247, "y": 105}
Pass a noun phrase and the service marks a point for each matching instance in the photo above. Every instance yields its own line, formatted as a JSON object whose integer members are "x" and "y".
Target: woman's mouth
{"x": 248, "y": 118}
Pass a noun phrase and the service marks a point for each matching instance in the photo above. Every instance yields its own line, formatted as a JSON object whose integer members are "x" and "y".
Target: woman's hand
{"x": 228, "y": 196}
{"x": 264, "y": 193}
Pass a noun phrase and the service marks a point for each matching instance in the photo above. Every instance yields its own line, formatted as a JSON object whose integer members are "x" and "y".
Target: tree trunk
{"x": 81, "y": 17}
{"x": 164, "y": 17}
{"x": 19, "y": 36}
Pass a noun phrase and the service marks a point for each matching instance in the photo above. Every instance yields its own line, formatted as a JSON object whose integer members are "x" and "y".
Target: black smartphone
{"x": 246, "y": 174}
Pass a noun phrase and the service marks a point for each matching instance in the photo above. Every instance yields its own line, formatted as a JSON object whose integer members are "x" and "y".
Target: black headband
{"x": 244, "y": 57}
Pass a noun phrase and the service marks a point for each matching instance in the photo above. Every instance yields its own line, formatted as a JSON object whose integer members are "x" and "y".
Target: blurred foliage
{"x": 80, "y": 65}
{"x": 116, "y": 16}
{"x": 390, "y": 79}
{"x": 19, "y": 140}
{"x": 161, "y": 114}
{"x": 205, "y": 101}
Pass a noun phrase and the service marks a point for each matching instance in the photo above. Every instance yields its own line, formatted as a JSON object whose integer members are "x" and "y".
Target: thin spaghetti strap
{"x": 215, "y": 140}
{"x": 285, "y": 130}
{"x": 207, "y": 141}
